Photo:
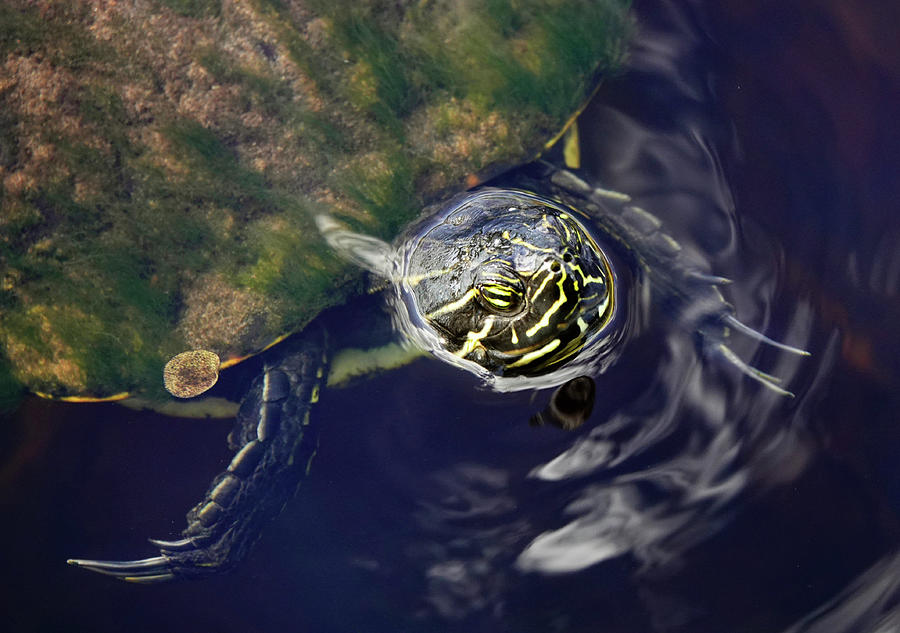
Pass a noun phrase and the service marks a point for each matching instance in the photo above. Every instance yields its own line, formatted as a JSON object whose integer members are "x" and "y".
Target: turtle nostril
{"x": 555, "y": 266}
{"x": 567, "y": 257}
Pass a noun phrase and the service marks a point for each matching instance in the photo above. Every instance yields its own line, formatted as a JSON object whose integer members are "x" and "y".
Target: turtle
{"x": 520, "y": 285}
{"x": 162, "y": 197}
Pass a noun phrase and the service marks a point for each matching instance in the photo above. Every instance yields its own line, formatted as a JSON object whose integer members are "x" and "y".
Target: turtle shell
{"x": 161, "y": 167}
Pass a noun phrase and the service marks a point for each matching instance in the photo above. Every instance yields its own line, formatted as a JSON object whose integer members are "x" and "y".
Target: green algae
{"x": 217, "y": 174}
{"x": 393, "y": 94}
{"x": 137, "y": 185}
{"x": 23, "y": 29}
{"x": 193, "y": 8}
{"x": 297, "y": 277}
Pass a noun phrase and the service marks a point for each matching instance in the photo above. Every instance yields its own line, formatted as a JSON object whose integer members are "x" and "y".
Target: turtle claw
{"x": 767, "y": 380}
{"x": 144, "y": 571}
{"x": 274, "y": 442}
{"x": 175, "y": 546}
{"x": 759, "y": 336}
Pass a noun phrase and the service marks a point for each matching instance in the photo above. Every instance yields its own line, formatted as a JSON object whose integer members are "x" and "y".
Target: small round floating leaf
{"x": 191, "y": 373}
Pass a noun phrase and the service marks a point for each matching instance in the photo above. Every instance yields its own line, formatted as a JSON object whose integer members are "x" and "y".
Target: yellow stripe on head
{"x": 470, "y": 294}
{"x": 532, "y": 356}
{"x": 473, "y": 339}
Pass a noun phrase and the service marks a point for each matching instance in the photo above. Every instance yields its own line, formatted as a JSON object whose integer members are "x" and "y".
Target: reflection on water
{"x": 676, "y": 465}
{"x": 870, "y": 604}
{"x": 667, "y": 470}
{"x": 692, "y": 500}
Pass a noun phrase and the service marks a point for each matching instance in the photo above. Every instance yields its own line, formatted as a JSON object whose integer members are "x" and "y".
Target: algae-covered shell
{"x": 160, "y": 168}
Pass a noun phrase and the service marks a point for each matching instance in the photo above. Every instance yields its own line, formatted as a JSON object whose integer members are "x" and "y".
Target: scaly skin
{"x": 275, "y": 441}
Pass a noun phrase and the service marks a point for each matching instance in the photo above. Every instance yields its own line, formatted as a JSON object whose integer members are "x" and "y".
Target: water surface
{"x": 693, "y": 500}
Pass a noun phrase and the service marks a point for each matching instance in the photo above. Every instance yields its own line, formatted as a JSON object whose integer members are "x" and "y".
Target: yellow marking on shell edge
{"x": 514, "y": 339}
{"x": 473, "y": 339}
{"x": 113, "y": 398}
{"x": 314, "y": 396}
{"x": 572, "y": 147}
{"x": 527, "y": 358}
{"x": 234, "y": 360}
{"x": 571, "y": 120}
{"x": 545, "y": 319}
{"x": 454, "y": 305}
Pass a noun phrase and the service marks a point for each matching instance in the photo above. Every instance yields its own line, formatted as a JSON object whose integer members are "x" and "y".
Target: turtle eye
{"x": 499, "y": 288}
{"x": 499, "y": 296}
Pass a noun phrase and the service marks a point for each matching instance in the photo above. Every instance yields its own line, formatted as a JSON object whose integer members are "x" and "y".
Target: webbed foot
{"x": 275, "y": 444}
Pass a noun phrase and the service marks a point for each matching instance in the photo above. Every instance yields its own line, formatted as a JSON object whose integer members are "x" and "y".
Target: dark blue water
{"x": 693, "y": 500}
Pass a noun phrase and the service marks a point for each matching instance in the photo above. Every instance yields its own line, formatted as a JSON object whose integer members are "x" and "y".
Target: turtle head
{"x": 508, "y": 280}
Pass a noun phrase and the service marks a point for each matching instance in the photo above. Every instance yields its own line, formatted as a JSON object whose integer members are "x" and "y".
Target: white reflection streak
{"x": 616, "y": 520}
{"x": 596, "y": 451}
{"x": 698, "y": 485}
{"x": 870, "y": 604}
{"x": 457, "y": 587}
{"x": 587, "y": 455}
{"x": 606, "y": 531}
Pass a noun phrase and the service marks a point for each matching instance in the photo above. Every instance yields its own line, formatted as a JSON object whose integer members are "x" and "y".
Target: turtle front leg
{"x": 675, "y": 270}
{"x": 275, "y": 444}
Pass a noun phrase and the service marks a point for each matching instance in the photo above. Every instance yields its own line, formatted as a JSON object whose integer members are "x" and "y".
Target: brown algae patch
{"x": 219, "y": 316}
